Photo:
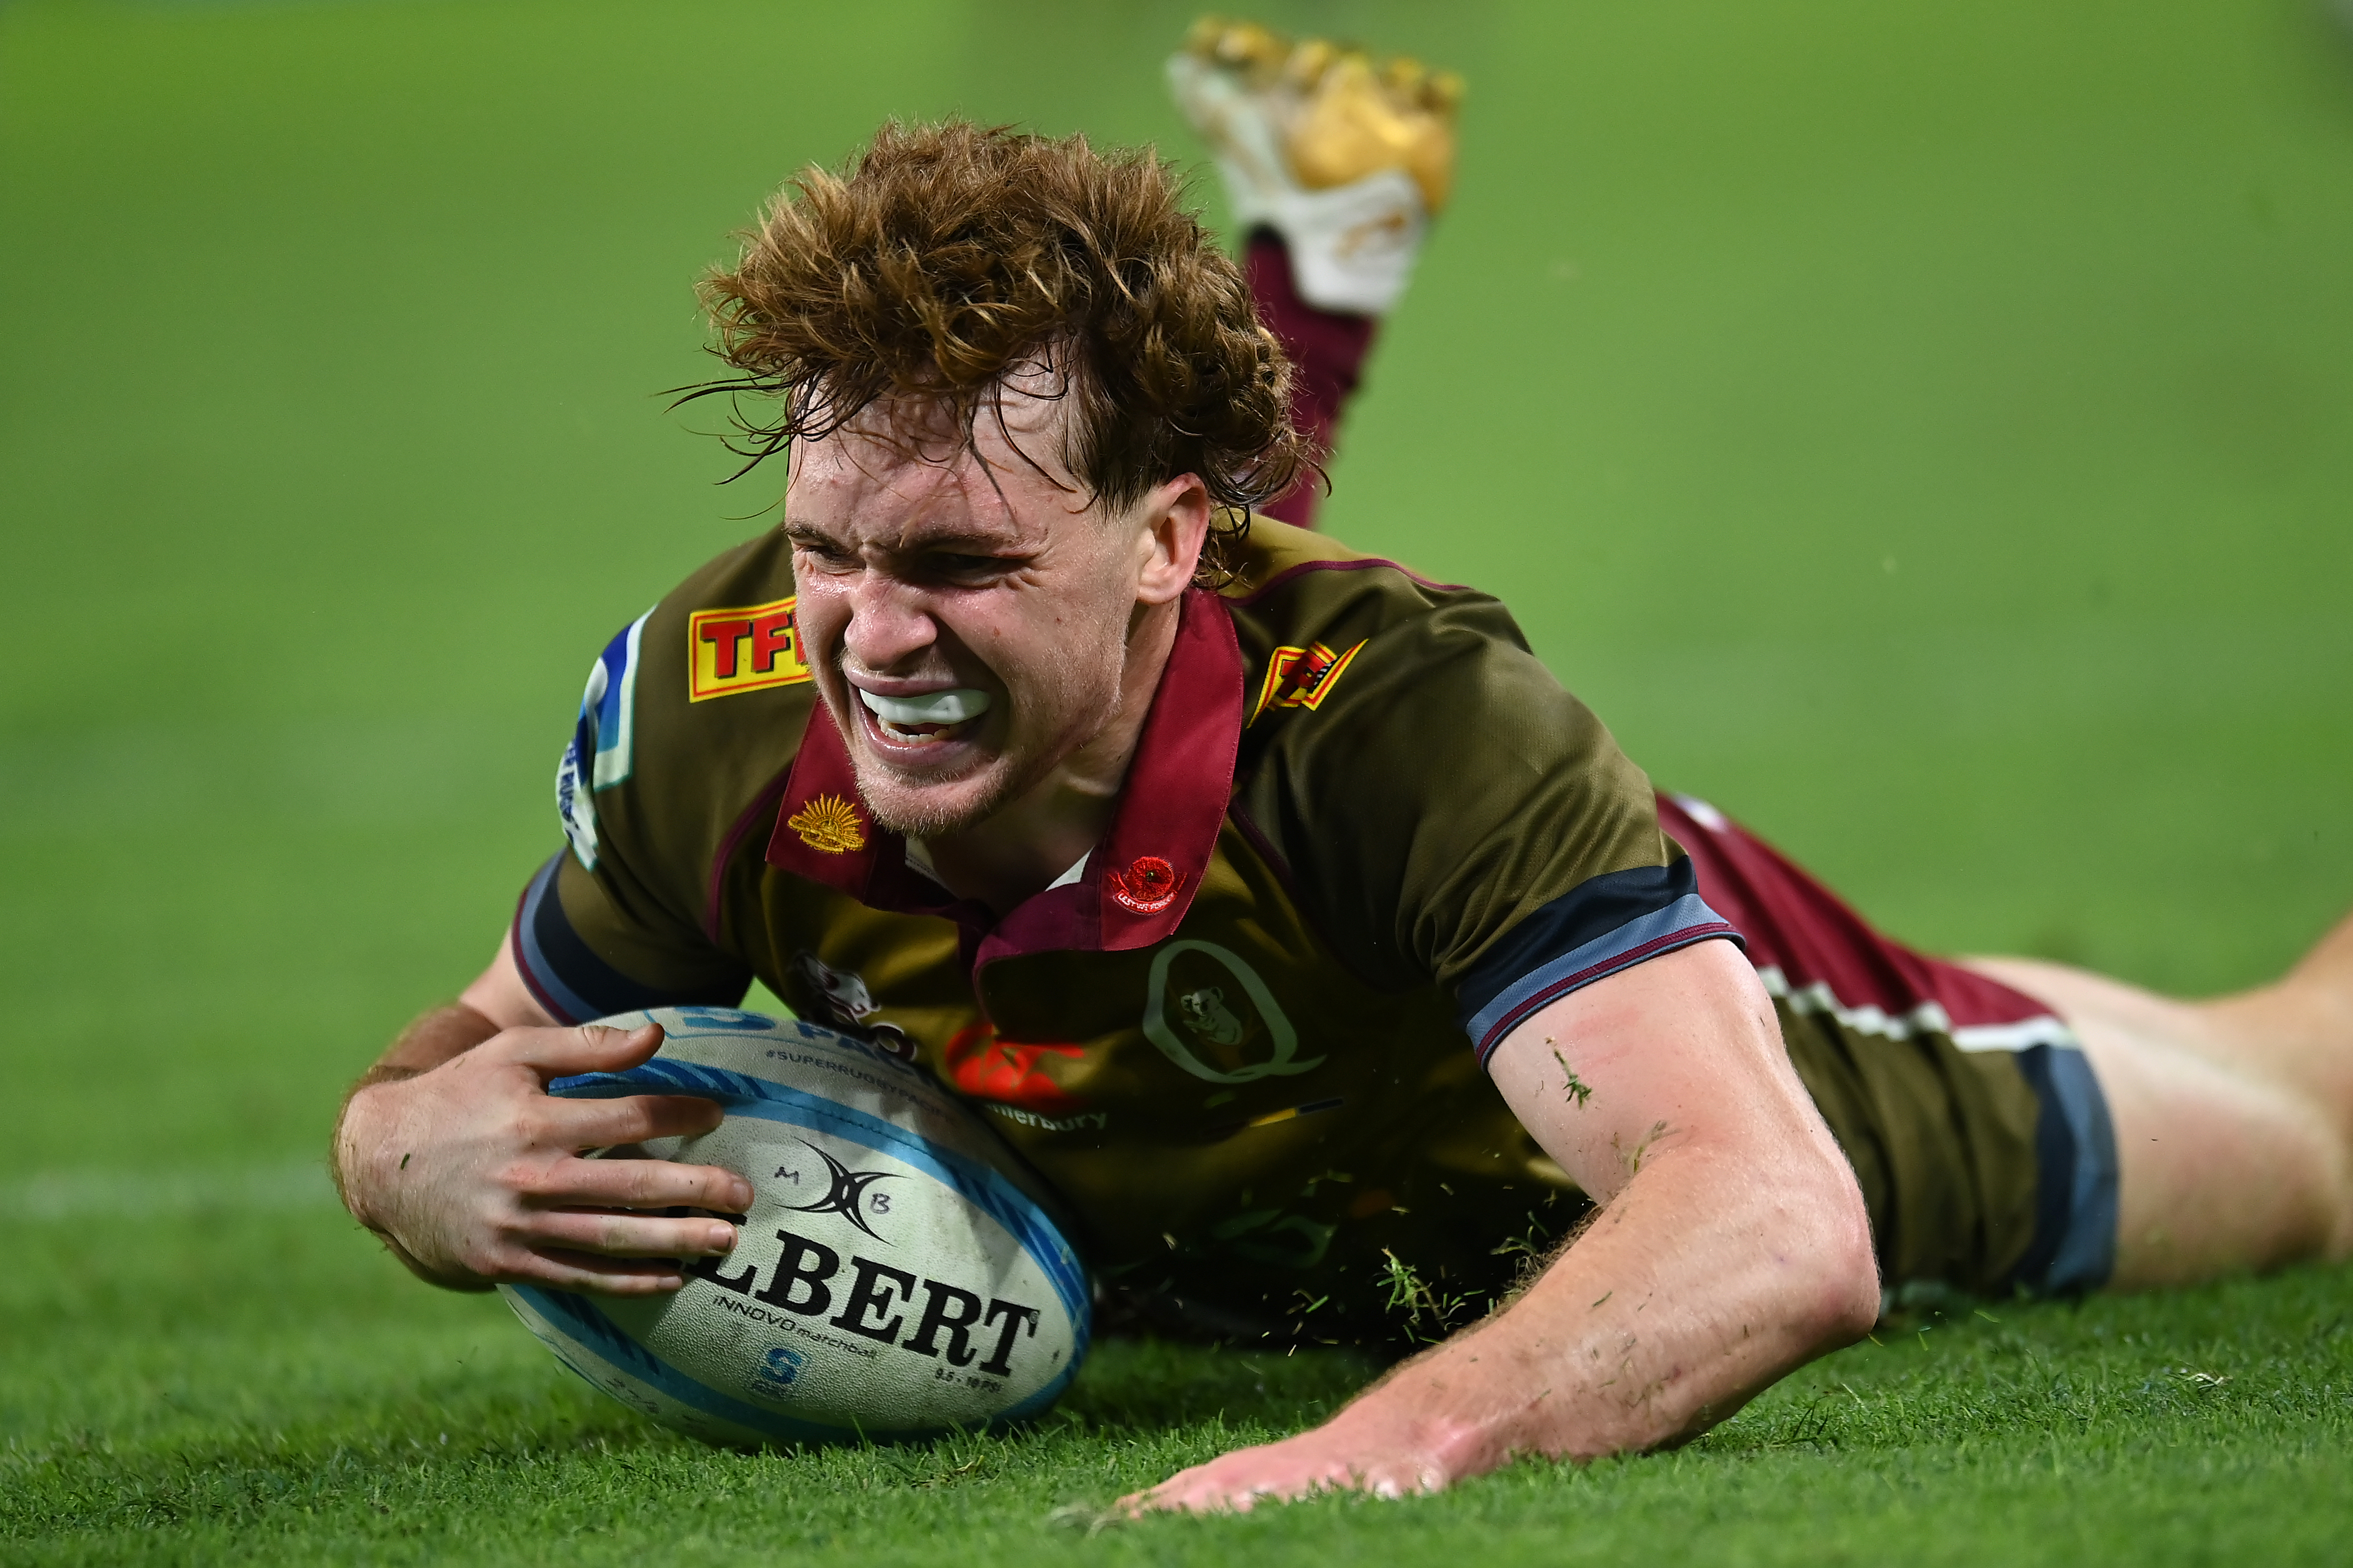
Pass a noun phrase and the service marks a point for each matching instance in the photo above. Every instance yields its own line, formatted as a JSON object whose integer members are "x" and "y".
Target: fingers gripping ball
{"x": 897, "y": 1275}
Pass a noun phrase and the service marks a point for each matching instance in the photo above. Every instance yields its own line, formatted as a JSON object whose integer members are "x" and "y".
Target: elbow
{"x": 1849, "y": 1300}
{"x": 1844, "y": 1300}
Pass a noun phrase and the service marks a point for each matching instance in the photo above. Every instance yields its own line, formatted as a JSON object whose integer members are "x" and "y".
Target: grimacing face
{"x": 970, "y": 636}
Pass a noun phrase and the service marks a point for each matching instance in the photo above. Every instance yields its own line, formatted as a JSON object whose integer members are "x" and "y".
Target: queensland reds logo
{"x": 1204, "y": 1010}
{"x": 1147, "y": 887}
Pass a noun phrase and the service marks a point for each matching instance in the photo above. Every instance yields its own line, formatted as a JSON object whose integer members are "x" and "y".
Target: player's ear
{"x": 1175, "y": 518}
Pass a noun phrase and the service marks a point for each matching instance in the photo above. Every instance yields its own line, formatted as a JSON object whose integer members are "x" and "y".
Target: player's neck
{"x": 1029, "y": 844}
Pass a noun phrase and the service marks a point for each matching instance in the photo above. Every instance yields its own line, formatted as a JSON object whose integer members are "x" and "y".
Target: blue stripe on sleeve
{"x": 1601, "y": 926}
{"x": 568, "y": 977}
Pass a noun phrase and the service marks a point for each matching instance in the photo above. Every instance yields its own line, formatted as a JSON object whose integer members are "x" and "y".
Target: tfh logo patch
{"x": 746, "y": 649}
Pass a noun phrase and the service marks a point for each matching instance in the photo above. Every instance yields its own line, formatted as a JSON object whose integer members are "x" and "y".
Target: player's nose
{"x": 890, "y": 623}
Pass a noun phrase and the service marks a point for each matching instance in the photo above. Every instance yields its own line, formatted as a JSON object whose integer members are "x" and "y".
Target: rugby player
{"x": 1274, "y": 903}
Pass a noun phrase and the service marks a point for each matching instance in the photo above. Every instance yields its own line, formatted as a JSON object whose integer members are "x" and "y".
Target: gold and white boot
{"x": 1346, "y": 158}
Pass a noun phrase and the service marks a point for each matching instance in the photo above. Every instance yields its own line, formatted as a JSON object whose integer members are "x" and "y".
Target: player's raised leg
{"x": 1334, "y": 165}
{"x": 1328, "y": 350}
{"x": 2233, "y": 1117}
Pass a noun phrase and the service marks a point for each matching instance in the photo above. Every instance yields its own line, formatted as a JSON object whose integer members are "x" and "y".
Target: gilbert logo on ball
{"x": 897, "y": 1275}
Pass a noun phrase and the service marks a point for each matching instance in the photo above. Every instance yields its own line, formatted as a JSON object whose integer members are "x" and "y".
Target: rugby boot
{"x": 1345, "y": 157}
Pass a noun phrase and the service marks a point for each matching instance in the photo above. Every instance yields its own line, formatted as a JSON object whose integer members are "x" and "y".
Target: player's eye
{"x": 968, "y": 568}
{"x": 821, "y": 550}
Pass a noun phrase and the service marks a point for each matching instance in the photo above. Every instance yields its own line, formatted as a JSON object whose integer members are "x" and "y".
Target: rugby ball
{"x": 898, "y": 1276}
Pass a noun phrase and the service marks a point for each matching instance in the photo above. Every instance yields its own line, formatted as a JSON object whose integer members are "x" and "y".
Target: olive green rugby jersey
{"x": 1365, "y": 833}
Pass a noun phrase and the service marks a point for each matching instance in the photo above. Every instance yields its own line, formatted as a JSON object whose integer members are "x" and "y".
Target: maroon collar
{"x": 1139, "y": 880}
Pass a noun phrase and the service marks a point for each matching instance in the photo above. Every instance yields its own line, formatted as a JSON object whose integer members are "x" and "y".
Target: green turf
{"x": 178, "y": 1415}
{"x": 1923, "y": 429}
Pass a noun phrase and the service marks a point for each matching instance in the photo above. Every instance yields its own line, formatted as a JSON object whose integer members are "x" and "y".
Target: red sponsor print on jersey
{"x": 1147, "y": 887}
{"x": 982, "y": 1066}
{"x": 1299, "y": 678}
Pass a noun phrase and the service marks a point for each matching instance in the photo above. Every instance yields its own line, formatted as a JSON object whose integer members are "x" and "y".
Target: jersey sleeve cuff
{"x": 567, "y": 977}
{"x": 1603, "y": 925}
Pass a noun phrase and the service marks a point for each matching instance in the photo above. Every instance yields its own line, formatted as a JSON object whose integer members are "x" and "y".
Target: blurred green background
{"x": 1925, "y": 431}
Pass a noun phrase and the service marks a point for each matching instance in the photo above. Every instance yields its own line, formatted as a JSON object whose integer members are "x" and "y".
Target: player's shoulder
{"x": 1291, "y": 584}
{"x": 693, "y": 708}
{"x": 1416, "y": 772}
{"x": 1321, "y": 627}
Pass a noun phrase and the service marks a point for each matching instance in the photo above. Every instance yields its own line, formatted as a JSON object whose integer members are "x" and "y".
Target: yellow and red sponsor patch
{"x": 745, "y": 650}
{"x": 1299, "y": 678}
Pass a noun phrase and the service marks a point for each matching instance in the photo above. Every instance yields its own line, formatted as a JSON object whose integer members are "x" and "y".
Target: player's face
{"x": 968, "y": 619}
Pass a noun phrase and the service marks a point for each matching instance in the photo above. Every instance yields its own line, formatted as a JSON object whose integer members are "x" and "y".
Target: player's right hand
{"x": 472, "y": 1171}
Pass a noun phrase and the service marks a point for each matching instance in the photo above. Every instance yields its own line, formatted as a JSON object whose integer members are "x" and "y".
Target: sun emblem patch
{"x": 1147, "y": 887}
{"x": 829, "y": 824}
{"x": 1300, "y": 677}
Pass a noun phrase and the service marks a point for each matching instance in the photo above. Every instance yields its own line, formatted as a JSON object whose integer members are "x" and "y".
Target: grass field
{"x": 1926, "y": 430}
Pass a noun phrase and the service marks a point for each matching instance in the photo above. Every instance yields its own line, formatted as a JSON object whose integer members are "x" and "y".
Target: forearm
{"x": 426, "y": 1044}
{"x": 1732, "y": 1246}
{"x": 496, "y": 1001}
{"x": 434, "y": 1039}
{"x": 1625, "y": 1343}
{"x": 452, "y": 1150}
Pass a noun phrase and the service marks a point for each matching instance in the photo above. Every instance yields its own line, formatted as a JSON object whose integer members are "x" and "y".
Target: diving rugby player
{"x": 1275, "y": 903}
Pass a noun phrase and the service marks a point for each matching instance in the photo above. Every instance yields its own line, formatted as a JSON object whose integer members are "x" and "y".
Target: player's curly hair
{"x": 946, "y": 257}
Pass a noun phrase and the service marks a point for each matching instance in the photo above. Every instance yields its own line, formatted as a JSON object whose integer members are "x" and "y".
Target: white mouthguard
{"x": 938, "y": 708}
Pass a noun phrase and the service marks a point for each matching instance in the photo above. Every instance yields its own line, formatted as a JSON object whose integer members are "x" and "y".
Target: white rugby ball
{"x": 897, "y": 1275}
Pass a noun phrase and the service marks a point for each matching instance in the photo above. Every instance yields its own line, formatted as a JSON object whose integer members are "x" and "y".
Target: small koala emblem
{"x": 1206, "y": 1013}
